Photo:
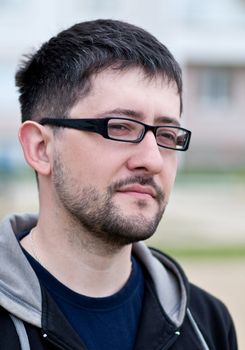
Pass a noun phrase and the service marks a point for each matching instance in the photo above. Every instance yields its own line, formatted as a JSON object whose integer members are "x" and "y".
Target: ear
{"x": 35, "y": 141}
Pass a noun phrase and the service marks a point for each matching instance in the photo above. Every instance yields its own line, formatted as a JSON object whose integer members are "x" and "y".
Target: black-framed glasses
{"x": 127, "y": 130}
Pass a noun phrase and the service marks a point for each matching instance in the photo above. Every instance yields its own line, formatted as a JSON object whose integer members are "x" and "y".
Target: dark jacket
{"x": 175, "y": 315}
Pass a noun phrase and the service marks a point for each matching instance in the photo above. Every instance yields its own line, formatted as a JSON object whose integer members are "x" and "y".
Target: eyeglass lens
{"x": 128, "y": 130}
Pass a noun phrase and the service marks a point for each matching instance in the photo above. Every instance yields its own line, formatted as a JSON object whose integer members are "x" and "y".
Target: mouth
{"x": 138, "y": 191}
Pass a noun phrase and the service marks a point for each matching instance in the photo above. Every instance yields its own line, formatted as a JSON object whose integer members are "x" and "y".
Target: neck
{"x": 79, "y": 260}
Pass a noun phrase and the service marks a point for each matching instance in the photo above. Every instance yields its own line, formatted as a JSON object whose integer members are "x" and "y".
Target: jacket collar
{"x": 20, "y": 292}
{"x": 168, "y": 280}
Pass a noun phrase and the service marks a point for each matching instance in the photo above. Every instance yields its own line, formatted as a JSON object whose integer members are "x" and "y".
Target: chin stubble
{"x": 98, "y": 214}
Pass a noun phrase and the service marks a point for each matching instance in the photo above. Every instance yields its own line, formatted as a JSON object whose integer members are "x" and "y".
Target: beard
{"x": 99, "y": 215}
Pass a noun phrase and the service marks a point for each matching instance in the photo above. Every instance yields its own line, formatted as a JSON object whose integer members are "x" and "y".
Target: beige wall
{"x": 218, "y": 124}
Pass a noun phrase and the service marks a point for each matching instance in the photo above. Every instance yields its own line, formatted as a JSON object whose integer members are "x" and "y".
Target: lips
{"x": 138, "y": 189}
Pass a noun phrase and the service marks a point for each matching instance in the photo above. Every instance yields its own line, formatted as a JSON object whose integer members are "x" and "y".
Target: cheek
{"x": 92, "y": 163}
{"x": 169, "y": 173}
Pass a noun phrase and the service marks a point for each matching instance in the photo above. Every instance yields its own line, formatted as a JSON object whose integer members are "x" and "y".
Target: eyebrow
{"x": 134, "y": 114}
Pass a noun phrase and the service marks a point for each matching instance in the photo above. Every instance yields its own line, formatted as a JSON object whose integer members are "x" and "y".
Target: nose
{"x": 146, "y": 156}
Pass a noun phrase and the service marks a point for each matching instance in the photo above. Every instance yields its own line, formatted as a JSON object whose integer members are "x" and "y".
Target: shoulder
{"x": 206, "y": 304}
{"x": 212, "y": 317}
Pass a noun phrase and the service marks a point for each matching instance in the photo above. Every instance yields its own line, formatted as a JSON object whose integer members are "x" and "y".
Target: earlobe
{"x": 35, "y": 142}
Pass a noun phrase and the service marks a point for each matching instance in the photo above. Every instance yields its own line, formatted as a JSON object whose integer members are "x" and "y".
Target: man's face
{"x": 117, "y": 191}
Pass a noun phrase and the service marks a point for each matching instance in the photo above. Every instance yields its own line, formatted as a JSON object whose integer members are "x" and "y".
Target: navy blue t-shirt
{"x": 102, "y": 323}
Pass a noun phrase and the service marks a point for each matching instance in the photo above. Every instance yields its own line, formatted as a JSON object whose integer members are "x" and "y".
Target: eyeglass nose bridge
{"x": 147, "y": 128}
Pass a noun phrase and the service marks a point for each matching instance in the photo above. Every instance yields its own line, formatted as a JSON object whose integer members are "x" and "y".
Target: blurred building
{"x": 207, "y": 38}
{"x": 214, "y": 65}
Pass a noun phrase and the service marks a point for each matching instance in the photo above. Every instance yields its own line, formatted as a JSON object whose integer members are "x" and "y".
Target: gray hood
{"x": 20, "y": 292}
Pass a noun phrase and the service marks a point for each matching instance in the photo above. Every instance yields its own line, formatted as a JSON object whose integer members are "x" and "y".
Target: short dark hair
{"x": 52, "y": 80}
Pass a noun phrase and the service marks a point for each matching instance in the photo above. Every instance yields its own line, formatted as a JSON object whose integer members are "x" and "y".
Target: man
{"x": 101, "y": 105}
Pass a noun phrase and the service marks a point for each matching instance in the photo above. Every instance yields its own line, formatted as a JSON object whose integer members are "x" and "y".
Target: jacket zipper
{"x": 53, "y": 342}
{"x": 172, "y": 340}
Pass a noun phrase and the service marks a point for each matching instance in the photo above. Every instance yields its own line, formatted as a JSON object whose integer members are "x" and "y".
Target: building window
{"x": 215, "y": 87}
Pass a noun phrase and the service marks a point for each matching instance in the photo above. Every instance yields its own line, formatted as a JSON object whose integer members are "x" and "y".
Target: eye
{"x": 119, "y": 128}
{"x": 167, "y": 137}
{"x": 123, "y": 129}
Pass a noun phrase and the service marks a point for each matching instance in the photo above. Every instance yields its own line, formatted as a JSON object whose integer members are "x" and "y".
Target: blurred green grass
{"x": 206, "y": 252}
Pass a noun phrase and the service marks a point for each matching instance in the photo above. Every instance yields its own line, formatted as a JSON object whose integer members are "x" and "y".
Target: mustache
{"x": 141, "y": 180}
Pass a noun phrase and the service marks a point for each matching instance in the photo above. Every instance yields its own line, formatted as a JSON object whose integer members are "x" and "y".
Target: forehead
{"x": 130, "y": 89}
